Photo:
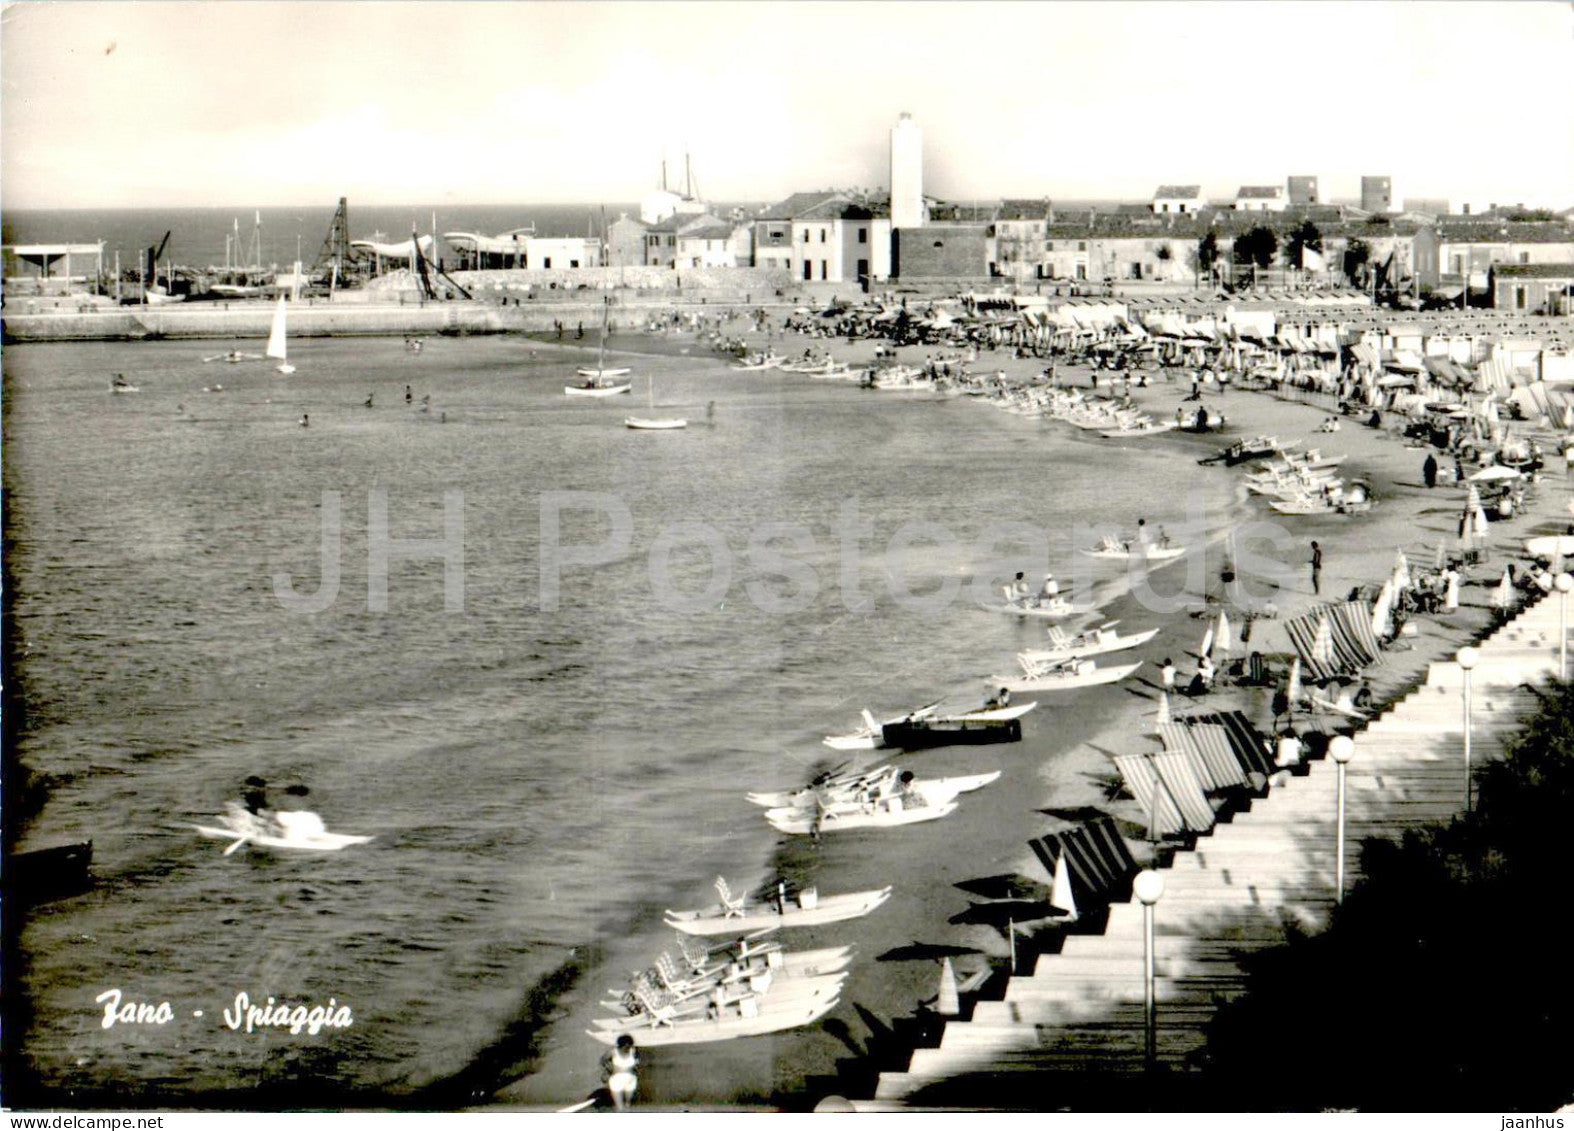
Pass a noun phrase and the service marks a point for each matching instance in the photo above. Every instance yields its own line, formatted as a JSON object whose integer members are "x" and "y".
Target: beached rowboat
{"x": 849, "y": 791}
{"x": 809, "y": 910}
{"x": 767, "y": 1014}
{"x": 1095, "y": 642}
{"x": 1125, "y": 551}
{"x": 1063, "y": 676}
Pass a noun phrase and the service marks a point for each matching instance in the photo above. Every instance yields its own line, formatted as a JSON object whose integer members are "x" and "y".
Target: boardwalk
{"x": 1245, "y": 887}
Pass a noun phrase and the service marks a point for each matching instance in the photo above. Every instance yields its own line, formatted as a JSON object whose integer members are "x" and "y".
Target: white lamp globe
{"x": 1468, "y": 658}
{"x": 1341, "y": 748}
{"x": 1148, "y": 887}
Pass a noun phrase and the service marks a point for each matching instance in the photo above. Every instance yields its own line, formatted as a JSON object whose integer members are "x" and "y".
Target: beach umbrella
{"x": 1221, "y": 635}
{"x": 1503, "y": 595}
{"x": 1382, "y": 624}
{"x": 1207, "y": 643}
{"x": 1401, "y": 571}
{"x": 1292, "y": 690}
{"x": 1442, "y": 557}
{"x": 1494, "y": 474}
{"x": 947, "y": 999}
{"x": 1061, "y": 896}
{"x": 1164, "y": 710}
{"x": 1323, "y": 642}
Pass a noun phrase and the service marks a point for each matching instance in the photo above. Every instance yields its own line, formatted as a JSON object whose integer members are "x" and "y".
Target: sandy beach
{"x": 1063, "y": 763}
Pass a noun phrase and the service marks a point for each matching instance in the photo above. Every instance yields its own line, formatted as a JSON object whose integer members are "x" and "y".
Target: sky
{"x": 241, "y": 104}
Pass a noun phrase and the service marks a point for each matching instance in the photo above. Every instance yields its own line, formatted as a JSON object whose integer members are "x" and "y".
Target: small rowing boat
{"x": 870, "y": 736}
{"x": 810, "y": 909}
{"x": 755, "y": 364}
{"x": 1095, "y": 642}
{"x": 1062, "y": 675}
{"x": 1054, "y": 608}
{"x": 896, "y": 799}
{"x": 1111, "y": 550}
{"x": 297, "y": 831}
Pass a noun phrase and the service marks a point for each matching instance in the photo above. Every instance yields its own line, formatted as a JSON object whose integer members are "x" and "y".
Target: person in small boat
{"x": 908, "y": 793}
{"x": 255, "y": 796}
{"x": 619, "y": 1067}
{"x": 1001, "y": 698}
{"x": 409, "y": 397}
{"x": 306, "y": 420}
{"x": 1049, "y": 591}
{"x": 1019, "y": 587}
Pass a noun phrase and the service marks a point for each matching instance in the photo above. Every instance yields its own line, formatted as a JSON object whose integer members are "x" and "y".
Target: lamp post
{"x": 1148, "y": 886}
{"x": 1563, "y": 583}
{"x": 1467, "y": 661}
{"x": 1341, "y": 750}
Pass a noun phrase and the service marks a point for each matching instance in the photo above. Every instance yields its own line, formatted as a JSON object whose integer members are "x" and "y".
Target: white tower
{"x": 907, "y": 174}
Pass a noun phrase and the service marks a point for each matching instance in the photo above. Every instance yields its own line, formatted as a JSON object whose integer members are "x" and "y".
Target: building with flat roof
{"x": 1302, "y": 190}
{"x": 1377, "y": 194}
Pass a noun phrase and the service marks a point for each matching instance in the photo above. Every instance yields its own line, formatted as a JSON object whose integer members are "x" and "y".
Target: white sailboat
{"x": 653, "y": 423}
{"x": 276, "y": 347}
{"x": 600, "y": 381}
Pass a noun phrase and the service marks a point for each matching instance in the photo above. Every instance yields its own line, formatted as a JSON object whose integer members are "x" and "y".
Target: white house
{"x": 1177, "y": 198}
{"x": 1261, "y": 198}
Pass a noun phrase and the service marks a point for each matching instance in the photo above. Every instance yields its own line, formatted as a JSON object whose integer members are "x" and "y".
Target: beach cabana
{"x": 1345, "y": 646}
{"x": 1099, "y": 863}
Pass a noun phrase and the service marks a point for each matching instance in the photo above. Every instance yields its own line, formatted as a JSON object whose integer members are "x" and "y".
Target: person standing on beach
{"x": 1317, "y": 568}
{"x": 1429, "y": 471}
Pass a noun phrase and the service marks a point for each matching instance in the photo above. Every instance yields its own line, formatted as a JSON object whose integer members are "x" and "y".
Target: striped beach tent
{"x": 1181, "y": 780}
{"x": 1246, "y": 741}
{"x": 1094, "y": 858}
{"x": 1335, "y": 639}
{"x": 1208, "y": 747}
{"x": 1153, "y": 798}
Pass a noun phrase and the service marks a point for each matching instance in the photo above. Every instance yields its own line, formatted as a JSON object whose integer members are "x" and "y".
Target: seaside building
{"x": 1539, "y": 288}
{"x": 772, "y": 227}
{"x": 626, "y": 241}
{"x": 1177, "y": 198}
{"x": 661, "y": 238}
{"x": 841, "y": 241}
{"x": 521, "y": 248}
{"x": 1377, "y": 194}
{"x": 706, "y": 243}
{"x": 1470, "y": 246}
{"x": 1302, "y": 190}
{"x": 956, "y": 250}
{"x": 1017, "y": 239}
{"x": 907, "y": 174}
{"x": 45, "y": 257}
{"x": 1260, "y": 198}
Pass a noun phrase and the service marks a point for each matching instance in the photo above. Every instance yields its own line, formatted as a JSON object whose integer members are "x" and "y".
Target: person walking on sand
{"x": 619, "y": 1065}
{"x": 1429, "y": 471}
{"x": 1317, "y": 568}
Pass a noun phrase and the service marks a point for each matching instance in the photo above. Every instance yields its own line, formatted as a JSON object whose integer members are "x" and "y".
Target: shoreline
{"x": 1063, "y": 762}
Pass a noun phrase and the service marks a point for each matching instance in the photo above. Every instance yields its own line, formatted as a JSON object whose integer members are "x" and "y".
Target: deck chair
{"x": 658, "y": 1012}
{"x": 732, "y": 908}
{"x": 1059, "y": 637}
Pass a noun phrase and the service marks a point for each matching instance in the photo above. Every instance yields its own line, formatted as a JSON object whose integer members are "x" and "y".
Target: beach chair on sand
{"x": 732, "y": 908}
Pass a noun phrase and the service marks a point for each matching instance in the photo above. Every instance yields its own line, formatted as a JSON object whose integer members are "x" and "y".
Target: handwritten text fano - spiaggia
{"x": 293, "y": 1017}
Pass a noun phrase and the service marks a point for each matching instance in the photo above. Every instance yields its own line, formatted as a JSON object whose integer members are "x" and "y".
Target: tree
{"x": 1304, "y": 238}
{"x": 1257, "y": 247}
{"x": 1207, "y": 254}
{"x": 1356, "y": 255}
{"x": 1434, "y": 982}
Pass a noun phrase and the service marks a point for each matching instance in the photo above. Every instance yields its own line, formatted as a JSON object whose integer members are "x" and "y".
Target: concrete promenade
{"x": 1246, "y": 887}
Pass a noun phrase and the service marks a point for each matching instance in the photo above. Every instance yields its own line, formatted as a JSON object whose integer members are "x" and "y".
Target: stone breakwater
{"x": 316, "y": 320}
